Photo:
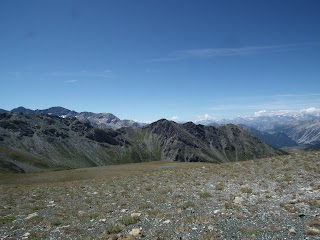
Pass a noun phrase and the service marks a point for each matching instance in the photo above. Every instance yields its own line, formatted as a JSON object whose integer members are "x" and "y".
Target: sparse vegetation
{"x": 205, "y": 195}
{"x": 130, "y": 220}
{"x": 6, "y": 220}
{"x": 246, "y": 190}
{"x": 229, "y": 205}
{"x": 249, "y": 231}
{"x": 187, "y": 205}
{"x": 165, "y": 200}
{"x": 219, "y": 186}
{"x": 113, "y": 229}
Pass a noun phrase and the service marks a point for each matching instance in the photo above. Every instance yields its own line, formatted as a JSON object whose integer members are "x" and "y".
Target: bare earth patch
{"x": 273, "y": 198}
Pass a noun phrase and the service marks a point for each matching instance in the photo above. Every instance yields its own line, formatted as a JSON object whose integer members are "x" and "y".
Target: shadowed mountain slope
{"x": 191, "y": 142}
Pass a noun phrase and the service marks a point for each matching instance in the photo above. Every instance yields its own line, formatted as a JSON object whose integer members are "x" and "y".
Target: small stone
{"x": 123, "y": 210}
{"x": 216, "y": 211}
{"x": 135, "y": 214}
{"x": 95, "y": 193}
{"x": 31, "y": 215}
{"x": 166, "y": 221}
{"x": 238, "y": 200}
{"x": 81, "y": 213}
{"x": 292, "y": 230}
{"x": 102, "y": 220}
{"x": 135, "y": 232}
{"x": 26, "y": 235}
{"x": 210, "y": 228}
{"x": 51, "y": 202}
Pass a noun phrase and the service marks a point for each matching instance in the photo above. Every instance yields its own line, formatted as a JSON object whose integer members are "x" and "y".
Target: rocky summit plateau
{"x": 271, "y": 198}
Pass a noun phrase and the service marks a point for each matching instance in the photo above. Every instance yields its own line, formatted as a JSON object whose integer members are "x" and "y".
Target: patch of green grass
{"x": 229, "y": 205}
{"x": 145, "y": 206}
{"x": 23, "y": 157}
{"x": 187, "y": 205}
{"x": 130, "y": 220}
{"x": 56, "y": 223}
{"x": 246, "y": 190}
{"x": 250, "y": 231}
{"x": 113, "y": 229}
{"x": 157, "y": 213}
{"x": 194, "y": 220}
{"x": 219, "y": 186}
{"x": 286, "y": 178}
{"x": 7, "y": 220}
{"x": 204, "y": 195}
{"x": 272, "y": 176}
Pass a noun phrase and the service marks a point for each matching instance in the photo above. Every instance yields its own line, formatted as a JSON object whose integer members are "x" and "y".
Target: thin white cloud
{"x": 311, "y": 110}
{"x": 84, "y": 73}
{"x": 268, "y": 103}
{"x": 224, "y": 52}
{"x": 175, "y": 118}
{"x": 71, "y": 81}
{"x": 206, "y": 117}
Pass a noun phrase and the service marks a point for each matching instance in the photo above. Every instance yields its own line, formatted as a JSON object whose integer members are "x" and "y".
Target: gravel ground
{"x": 274, "y": 198}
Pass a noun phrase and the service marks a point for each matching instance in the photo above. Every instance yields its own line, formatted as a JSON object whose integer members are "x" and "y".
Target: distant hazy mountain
{"x": 100, "y": 120}
{"x": 3, "y": 111}
{"x": 58, "y": 111}
{"x": 105, "y": 120}
{"x": 300, "y": 128}
{"x": 303, "y": 132}
{"x": 33, "y": 142}
{"x": 22, "y": 110}
{"x": 278, "y": 139}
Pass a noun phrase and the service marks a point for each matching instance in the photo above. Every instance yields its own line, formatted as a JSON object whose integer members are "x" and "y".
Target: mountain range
{"x": 100, "y": 120}
{"x": 281, "y": 130}
{"x": 277, "y": 130}
{"x": 31, "y": 142}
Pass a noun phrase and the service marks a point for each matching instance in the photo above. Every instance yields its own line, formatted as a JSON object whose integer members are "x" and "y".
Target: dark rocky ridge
{"x": 33, "y": 142}
{"x": 191, "y": 142}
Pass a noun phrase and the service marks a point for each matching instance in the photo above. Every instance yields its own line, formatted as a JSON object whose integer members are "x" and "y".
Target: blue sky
{"x": 146, "y": 60}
